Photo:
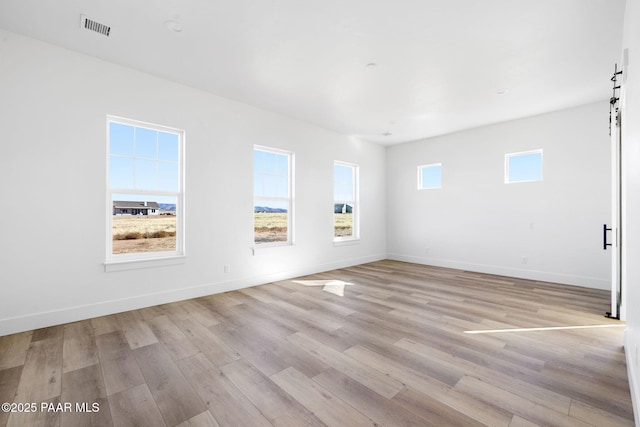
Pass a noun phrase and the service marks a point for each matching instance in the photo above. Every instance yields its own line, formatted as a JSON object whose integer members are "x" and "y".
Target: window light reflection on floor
{"x": 549, "y": 328}
{"x": 335, "y": 287}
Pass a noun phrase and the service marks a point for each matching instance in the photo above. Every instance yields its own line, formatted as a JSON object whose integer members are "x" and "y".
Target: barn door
{"x": 611, "y": 233}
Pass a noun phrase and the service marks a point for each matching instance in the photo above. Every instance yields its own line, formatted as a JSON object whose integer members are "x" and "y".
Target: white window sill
{"x": 133, "y": 264}
{"x": 346, "y": 242}
{"x": 260, "y": 246}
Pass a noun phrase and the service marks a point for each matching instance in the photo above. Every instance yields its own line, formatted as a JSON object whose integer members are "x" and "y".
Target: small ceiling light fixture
{"x": 387, "y": 133}
{"x": 173, "y": 26}
{"x": 371, "y": 66}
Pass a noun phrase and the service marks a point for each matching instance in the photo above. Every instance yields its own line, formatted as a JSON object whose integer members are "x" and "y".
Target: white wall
{"x": 53, "y": 107}
{"x": 630, "y": 104}
{"x": 477, "y": 222}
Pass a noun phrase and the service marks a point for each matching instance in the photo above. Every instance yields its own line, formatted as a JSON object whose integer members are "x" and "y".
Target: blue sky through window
{"x": 343, "y": 182}
{"x": 430, "y": 177}
{"x": 143, "y": 159}
{"x": 523, "y": 167}
{"x": 271, "y": 178}
{"x": 121, "y": 139}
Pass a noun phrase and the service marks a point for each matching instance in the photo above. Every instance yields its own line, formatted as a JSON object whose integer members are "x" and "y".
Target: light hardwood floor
{"x": 392, "y": 351}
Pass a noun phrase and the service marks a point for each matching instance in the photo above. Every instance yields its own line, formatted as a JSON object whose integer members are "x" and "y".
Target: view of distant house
{"x": 342, "y": 208}
{"x": 135, "y": 208}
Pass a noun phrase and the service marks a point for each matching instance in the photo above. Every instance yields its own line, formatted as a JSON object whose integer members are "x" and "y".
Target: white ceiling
{"x": 441, "y": 66}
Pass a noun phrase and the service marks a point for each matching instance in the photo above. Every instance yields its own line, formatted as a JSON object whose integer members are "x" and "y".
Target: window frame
{"x": 428, "y": 166}
{"x": 145, "y": 258}
{"x": 355, "y": 203}
{"x": 289, "y": 200}
{"x": 508, "y": 156}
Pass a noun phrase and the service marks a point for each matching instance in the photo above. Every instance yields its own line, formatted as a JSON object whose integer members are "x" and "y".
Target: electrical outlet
{"x": 227, "y": 268}
{"x": 524, "y": 260}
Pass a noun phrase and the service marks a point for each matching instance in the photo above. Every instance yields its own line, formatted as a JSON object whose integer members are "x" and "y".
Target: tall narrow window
{"x": 430, "y": 176}
{"x": 525, "y": 166}
{"x": 345, "y": 201}
{"x": 145, "y": 190}
{"x": 272, "y": 196}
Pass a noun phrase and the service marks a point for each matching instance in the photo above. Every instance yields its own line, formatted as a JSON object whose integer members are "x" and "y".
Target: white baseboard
{"x": 633, "y": 383}
{"x": 74, "y": 314}
{"x": 544, "y": 276}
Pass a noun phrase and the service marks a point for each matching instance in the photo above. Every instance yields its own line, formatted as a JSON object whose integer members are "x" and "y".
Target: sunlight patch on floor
{"x": 335, "y": 287}
{"x": 549, "y": 328}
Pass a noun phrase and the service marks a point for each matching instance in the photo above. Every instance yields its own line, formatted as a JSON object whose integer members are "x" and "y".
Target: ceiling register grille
{"x": 91, "y": 25}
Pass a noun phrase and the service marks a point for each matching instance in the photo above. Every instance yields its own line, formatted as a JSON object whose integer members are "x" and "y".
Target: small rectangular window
{"x": 525, "y": 166}
{"x": 346, "y": 209}
{"x": 272, "y": 196}
{"x": 144, "y": 171}
{"x": 430, "y": 176}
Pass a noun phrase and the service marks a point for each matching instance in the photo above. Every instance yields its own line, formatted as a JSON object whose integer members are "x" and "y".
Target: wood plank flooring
{"x": 391, "y": 352}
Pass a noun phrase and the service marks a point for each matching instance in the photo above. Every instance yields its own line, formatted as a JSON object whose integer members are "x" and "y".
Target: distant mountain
{"x": 268, "y": 209}
{"x": 167, "y": 207}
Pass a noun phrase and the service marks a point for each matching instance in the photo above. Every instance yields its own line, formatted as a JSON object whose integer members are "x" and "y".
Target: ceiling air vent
{"x": 91, "y": 25}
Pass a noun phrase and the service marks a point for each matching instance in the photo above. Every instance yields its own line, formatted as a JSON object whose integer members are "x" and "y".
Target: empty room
{"x": 337, "y": 213}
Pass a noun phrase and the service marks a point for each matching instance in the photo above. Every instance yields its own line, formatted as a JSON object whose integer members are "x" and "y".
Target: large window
{"x": 430, "y": 176}
{"x": 525, "y": 166}
{"x": 345, "y": 201}
{"x": 272, "y": 196}
{"x": 145, "y": 190}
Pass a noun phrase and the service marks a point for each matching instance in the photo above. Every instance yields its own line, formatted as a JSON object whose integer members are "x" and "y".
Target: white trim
{"x": 290, "y": 199}
{"x": 345, "y": 242}
{"x": 140, "y": 123}
{"x": 355, "y": 203}
{"x": 634, "y": 387}
{"x": 114, "y": 259}
{"x": 543, "y": 276}
{"x": 271, "y": 149}
{"x": 134, "y": 264}
{"x": 258, "y": 246}
{"x": 75, "y": 313}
